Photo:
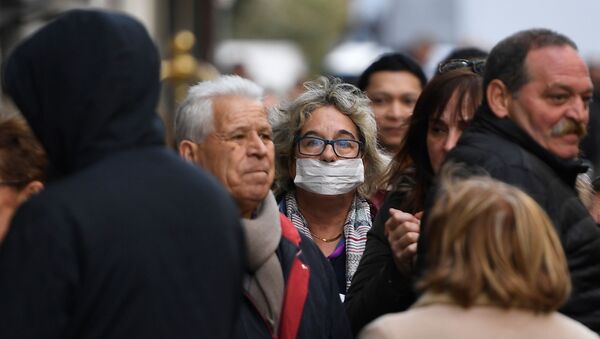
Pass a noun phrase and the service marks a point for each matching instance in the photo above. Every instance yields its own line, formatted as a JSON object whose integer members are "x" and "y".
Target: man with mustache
{"x": 527, "y": 133}
{"x": 290, "y": 290}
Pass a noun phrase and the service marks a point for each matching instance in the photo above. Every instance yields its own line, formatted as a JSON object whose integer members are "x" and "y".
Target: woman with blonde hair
{"x": 496, "y": 269}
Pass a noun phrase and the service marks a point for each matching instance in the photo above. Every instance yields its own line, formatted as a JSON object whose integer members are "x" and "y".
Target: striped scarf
{"x": 358, "y": 222}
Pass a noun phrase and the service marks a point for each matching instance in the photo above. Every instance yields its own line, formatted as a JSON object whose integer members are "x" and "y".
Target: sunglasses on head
{"x": 476, "y": 65}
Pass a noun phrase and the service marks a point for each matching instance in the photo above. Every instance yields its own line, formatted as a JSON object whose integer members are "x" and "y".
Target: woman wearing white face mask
{"x": 327, "y": 163}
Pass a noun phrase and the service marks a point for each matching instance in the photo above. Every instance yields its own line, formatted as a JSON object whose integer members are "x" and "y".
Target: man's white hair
{"x": 194, "y": 117}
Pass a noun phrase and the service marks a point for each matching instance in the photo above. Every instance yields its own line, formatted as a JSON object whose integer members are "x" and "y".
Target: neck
{"x": 247, "y": 210}
{"x": 324, "y": 214}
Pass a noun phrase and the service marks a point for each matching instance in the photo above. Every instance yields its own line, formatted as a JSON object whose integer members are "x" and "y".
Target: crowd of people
{"x": 398, "y": 208}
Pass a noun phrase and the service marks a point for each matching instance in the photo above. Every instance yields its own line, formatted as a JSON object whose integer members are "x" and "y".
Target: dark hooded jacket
{"x": 127, "y": 240}
{"x": 507, "y": 153}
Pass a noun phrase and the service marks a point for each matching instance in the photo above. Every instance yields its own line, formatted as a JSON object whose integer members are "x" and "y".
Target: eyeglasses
{"x": 476, "y": 65}
{"x": 343, "y": 148}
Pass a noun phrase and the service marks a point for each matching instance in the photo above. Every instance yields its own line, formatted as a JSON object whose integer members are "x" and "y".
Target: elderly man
{"x": 127, "y": 240}
{"x": 291, "y": 291}
{"x": 527, "y": 133}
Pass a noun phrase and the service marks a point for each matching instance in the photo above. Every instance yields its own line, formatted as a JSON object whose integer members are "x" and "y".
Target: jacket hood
{"x": 88, "y": 84}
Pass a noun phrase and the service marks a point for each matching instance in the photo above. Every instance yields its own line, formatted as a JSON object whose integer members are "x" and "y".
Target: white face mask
{"x": 329, "y": 178}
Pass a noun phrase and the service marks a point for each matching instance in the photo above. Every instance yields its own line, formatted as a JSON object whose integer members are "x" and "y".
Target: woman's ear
{"x": 498, "y": 98}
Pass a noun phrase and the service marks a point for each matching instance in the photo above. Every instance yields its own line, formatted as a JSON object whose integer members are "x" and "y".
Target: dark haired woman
{"x": 383, "y": 282}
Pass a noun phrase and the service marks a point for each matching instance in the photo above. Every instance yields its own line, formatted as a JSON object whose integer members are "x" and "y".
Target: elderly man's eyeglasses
{"x": 343, "y": 148}
{"x": 476, "y": 65}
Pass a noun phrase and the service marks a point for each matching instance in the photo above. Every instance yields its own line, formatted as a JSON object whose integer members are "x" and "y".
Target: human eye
{"x": 558, "y": 98}
{"x": 347, "y": 144}
{"x": 409, "y": 101}
{"x": 311, "y": 141}
{"x": 379, "y": 100}
{"x": 312, "y": 144}
{"x": 266, "y": 135}
{"x": 237, "y": 136}
{"x": 344, "y": 143}
{"x": 437, "y": 128}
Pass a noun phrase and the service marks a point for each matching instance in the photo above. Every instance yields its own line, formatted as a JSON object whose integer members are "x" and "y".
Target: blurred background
{"x": 281, "y": 43}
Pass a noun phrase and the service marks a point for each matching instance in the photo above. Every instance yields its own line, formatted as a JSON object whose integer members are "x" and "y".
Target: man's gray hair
{"x": 194, "y": 117}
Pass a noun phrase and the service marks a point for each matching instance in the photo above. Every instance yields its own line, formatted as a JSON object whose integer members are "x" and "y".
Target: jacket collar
{"x": 505, "y": 128}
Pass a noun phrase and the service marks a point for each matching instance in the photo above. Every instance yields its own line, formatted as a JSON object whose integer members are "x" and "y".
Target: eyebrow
{"x": 342, "y": 132}
{"x": 245, "y": 128}
{"x": 566, "y": 87}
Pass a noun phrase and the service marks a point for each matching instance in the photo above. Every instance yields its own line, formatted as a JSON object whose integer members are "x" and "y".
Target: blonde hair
{"x": 489, "y": 240}
{"x": 347, "y": 99}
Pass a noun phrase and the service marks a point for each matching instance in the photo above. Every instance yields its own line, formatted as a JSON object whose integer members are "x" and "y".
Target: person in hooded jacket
{"x": 121, "y": 242}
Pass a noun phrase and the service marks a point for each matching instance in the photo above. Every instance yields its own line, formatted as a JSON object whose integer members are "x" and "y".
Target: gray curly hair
{"x": 349, "y": 100}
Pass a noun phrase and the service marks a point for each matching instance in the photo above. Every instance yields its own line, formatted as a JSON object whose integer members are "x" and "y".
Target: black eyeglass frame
{"x": 360, "y": 143}
{"x": 477, "y": 66}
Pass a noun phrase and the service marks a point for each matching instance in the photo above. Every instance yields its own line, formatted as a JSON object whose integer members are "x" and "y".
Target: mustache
{"x": 569, "y": 126}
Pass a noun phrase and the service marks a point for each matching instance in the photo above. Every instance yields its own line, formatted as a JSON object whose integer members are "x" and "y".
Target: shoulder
{"x": 389, "y": 325}
{"x": 571, "y": 328}
{"x": 486, "y": 149}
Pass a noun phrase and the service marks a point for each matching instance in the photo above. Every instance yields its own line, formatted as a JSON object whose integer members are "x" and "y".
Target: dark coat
{"x": 127, "y": 240}
{"x": 377, "y": 287}
{"x": 510, "y": 155}
{"x": 312, "y": 308}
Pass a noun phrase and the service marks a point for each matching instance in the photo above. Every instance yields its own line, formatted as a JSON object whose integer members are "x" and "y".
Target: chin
{"x": 567, "y": 153}
{"x": 258, "y": 194}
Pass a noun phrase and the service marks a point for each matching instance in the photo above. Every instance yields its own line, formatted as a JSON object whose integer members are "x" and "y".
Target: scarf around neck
{"x": 358, "y": 223}
{"x": 265, "y": 283}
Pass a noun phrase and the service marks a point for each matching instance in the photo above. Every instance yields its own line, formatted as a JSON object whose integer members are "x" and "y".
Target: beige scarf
{"x": 265, "y": 284}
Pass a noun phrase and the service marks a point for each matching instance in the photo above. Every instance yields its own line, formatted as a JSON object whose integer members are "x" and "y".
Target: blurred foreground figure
{"x": 496, "y": 270}
{"x": 22, "y": 168}
{"x": 122, "y": 242}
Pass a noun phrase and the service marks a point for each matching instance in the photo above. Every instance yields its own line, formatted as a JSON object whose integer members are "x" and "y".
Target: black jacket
{"x": 312, "y": 308}
{"x": 508, "y": 154}
{"x": 127, "y": 240}
{"x": 377, "y": 287}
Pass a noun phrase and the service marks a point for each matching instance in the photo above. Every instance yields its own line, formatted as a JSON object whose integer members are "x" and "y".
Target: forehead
{"x": 236, "y": 111}
{"x": 392, "y": 80}
{"x": 328, "y": 119}
{"x": 558, "y": 65}
{"x": 459, "y": 107}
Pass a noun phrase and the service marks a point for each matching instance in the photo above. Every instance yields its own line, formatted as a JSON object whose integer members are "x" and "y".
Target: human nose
{"x": 328, "y": 153}
{"x": 579, "y": 110}
{"x": 396, "y": 111}
{"x": 452, "y": 139}
{"x": 256, "y": 145}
